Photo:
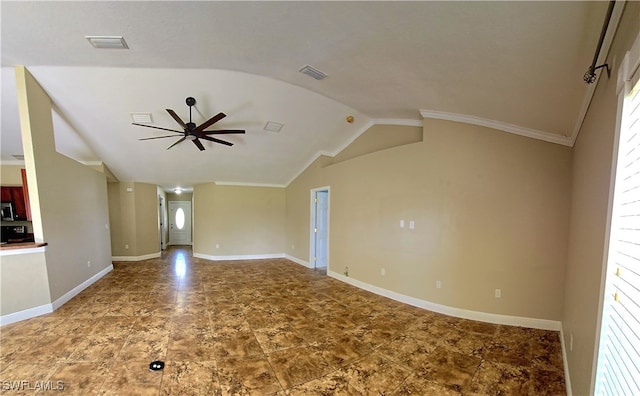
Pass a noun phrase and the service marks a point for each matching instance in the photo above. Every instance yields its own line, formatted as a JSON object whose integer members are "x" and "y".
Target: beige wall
{"x": 180, "y": 197}
{"x": 380, "y": 137}
{"x": 68, "y": 199}
{"x": 241, "y": 220}
{"x": 147, "y": 231}
{"x": 490, "y": 211}
{"x": 10, "y": 175}
{"x": 134, "y": 219}
{"x": 23, "y": 282}
{"x": 592, "y": 163}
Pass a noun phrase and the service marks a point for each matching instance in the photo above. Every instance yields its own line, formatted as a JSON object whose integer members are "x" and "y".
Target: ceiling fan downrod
{"x": 191, "y": 102}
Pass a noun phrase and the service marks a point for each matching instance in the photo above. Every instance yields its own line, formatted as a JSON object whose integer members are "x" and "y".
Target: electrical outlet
{"x": 401, "y": 223}
{"x": 89, "y": 263}
{"x": 293, "y": 247}
{"x": 217, "y": 246}
{"x": 438, "y": 284}
{"x": 412, "y": 224}
{"x": 498, "y": 293}
{"x": 126, "y": 246}
{"x": 383, "y": 271}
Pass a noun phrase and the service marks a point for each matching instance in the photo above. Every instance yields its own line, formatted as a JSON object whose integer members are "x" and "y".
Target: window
{"x": 618, "y": 370}
{"x": 180, "y": 218}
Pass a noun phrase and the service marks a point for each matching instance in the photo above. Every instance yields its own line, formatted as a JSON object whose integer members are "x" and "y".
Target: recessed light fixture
{"x": 177, "y": 190}
{"x": 273, "y": 126}
{"x": 107, "y": 42}
{"x": 141, "y": 118}
{"x": 312, "y": 72}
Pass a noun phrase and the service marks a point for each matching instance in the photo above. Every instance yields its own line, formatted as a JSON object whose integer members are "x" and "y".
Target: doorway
{"x": 179, "y": 223}
{"x": 319, "y": 246}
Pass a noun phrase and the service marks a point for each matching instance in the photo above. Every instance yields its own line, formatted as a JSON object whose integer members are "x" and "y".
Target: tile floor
{"x": 264, "y": 327}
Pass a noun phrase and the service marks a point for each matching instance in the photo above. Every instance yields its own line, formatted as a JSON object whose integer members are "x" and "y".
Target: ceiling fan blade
{"x": 158, "y": 137}
{"x": 155, "y": 127}
{"x": 175, "y": 117}
{"x": 216, "y": 140}
{"x": 223, "y": 132}
{"x": 179, "y": 141}
{"x": 198, "y": 144}
{"x": 210, "y": 122}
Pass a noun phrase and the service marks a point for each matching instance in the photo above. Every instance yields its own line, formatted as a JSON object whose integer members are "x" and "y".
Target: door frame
{"x": 312, "y": 223}
{"x": 162, "y": 221}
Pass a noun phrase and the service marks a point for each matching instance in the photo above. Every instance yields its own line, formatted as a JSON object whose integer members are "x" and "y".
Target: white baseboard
{"x": 76, "y": 290}
{"x": 48, "y": 308}
{"x": 136, "y": 258}
{"x": 25, "y": 314}
{"x": 565, "y": 363}
{"x": 239, "y": 257}
{"x": 298, "y": 261}
{"x": 452, "y": 311}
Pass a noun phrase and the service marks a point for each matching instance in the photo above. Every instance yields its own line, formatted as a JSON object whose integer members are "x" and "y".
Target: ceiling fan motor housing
{"x": 190, "y": 101}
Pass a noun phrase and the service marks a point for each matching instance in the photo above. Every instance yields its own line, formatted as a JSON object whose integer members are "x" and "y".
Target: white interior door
{"x": 320, "y": 226}
{"x": 179, "y": 222}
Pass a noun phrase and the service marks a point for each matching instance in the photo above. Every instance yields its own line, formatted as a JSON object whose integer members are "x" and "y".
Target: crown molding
{"x": 397, "y": 121}
{"x": 501, "y": 126}
{"x": 241, "y": 184}
{"x": 91, "y": 163}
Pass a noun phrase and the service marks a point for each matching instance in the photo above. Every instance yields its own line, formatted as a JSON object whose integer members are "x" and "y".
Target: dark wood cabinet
{"x": 19, "y": 197}
{"x": 25, "y": 190}
{"x": 5, "y": 194}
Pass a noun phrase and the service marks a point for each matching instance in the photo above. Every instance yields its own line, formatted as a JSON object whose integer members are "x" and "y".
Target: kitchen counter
{"x": 23, "y": 245}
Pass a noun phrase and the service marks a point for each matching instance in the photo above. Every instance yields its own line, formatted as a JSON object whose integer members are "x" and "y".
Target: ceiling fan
{"x": 191, "y": 131}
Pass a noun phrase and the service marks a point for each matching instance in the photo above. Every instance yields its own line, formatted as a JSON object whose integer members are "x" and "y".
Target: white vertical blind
{"x": 619, "y": 356}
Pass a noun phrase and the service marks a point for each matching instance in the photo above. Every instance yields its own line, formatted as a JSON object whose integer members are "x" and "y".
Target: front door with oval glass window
{"x": 180, "y": 223}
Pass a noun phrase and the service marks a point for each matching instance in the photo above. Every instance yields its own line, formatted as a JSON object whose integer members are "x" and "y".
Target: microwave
{"x": 8, "y": 213}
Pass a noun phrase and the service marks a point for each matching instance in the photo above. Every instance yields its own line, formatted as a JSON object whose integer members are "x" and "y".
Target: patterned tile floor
{"x": 261, "y": 328}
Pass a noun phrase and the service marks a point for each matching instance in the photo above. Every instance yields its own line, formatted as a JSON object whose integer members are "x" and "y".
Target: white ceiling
{"x": 519, "y": 63}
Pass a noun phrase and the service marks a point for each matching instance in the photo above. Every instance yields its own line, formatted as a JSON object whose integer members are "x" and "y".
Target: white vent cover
{"x": 273, "y": 126}
{"x": 107, "y": 42}
{"x": 141, "y": 118}
{"x": 312, "y": 72}
{"x": 18, "y": 157}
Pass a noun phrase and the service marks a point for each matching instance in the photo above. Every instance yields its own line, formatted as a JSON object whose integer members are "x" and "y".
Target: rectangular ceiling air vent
{"x": 312, "y": 72}
{"x": 107, "y": 42}
{"x": 273, "y": 126}
{"x": 141, "y": 118}
{"x": 18, "y": 157}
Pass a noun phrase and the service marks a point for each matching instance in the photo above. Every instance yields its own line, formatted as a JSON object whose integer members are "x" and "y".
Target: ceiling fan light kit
{"x": 191, "y": 131}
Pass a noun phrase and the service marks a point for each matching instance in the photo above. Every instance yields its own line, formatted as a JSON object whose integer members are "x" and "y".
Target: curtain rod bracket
{"x": 590, "y": 75}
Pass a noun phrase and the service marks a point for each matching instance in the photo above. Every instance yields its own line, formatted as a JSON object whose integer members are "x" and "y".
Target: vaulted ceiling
{"x": 517, "y": 63}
